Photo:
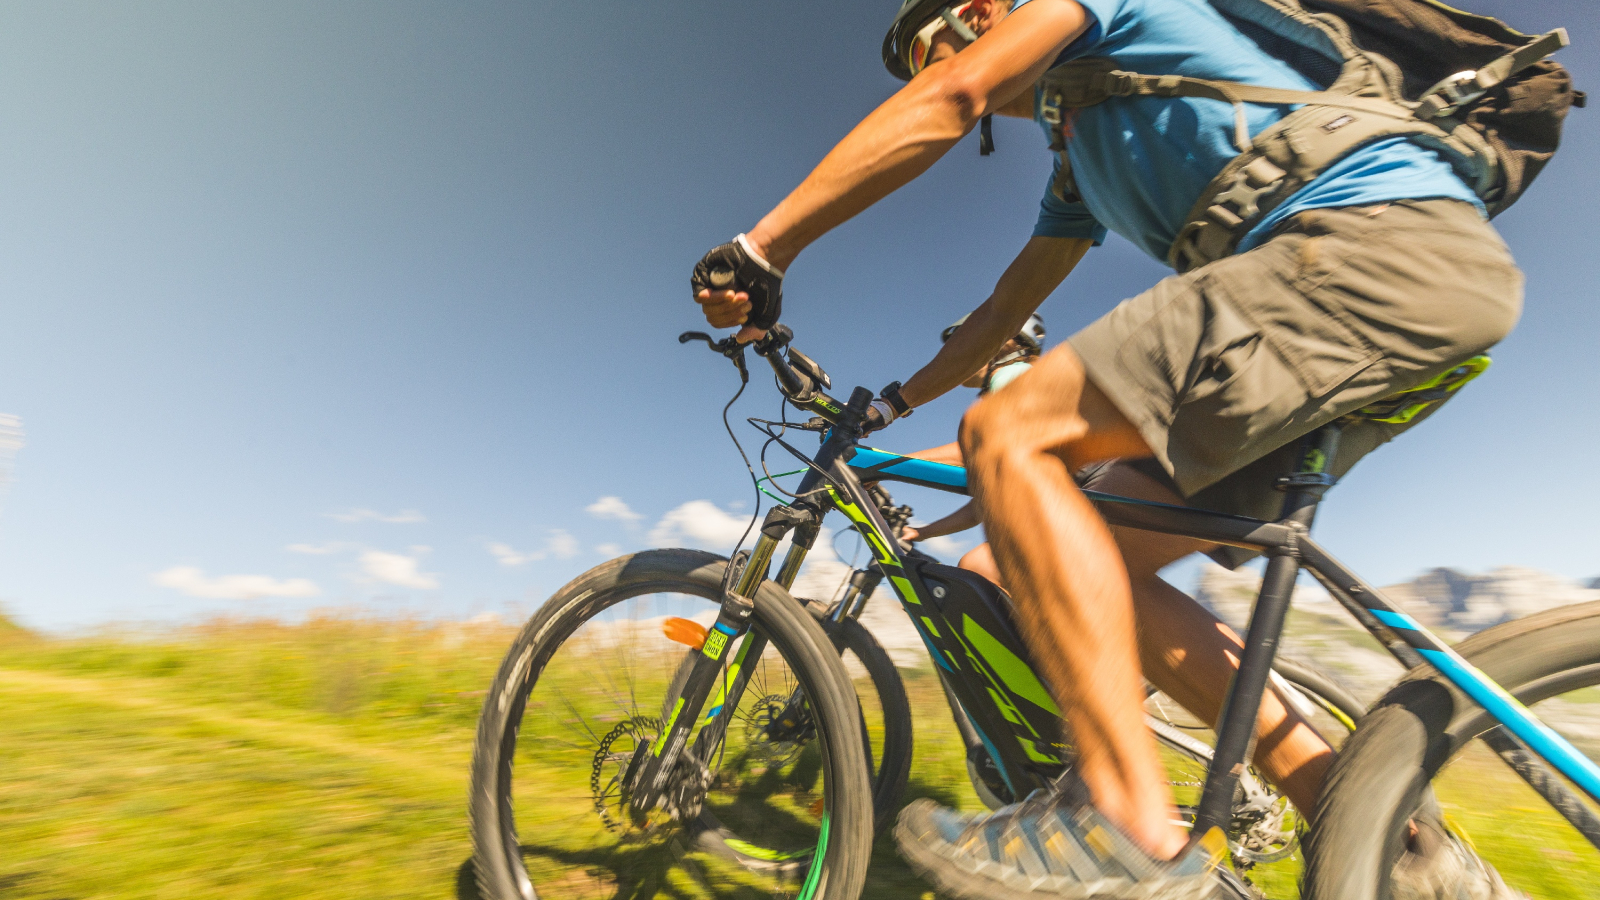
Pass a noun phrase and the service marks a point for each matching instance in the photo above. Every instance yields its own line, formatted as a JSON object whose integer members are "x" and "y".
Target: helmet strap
{"x": 995, "y": 365}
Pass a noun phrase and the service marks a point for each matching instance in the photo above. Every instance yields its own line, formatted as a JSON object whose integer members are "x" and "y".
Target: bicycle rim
{"x": 597, "y": 685}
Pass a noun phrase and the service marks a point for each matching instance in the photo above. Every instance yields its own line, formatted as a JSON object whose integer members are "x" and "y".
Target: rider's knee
{"x": 979, "y": 424}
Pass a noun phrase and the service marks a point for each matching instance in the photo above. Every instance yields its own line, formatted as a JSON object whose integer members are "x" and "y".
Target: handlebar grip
{"x": 773, "y": 342}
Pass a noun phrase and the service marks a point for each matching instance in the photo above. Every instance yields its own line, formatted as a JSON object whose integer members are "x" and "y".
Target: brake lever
{"x": 728, "y": 347}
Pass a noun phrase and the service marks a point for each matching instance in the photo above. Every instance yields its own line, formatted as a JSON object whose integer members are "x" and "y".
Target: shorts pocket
{"x": 1308, "y": 334}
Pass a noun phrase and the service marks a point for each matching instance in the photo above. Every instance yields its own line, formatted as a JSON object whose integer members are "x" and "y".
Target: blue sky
{"x": 372, "y": 304}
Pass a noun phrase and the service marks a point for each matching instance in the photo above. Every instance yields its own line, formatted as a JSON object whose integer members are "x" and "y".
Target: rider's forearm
{"x": 1037, "y": 270}
{"x": 912, "y": 129}
{"x": 899, "y": 141}
{"x": 960, "y": 520}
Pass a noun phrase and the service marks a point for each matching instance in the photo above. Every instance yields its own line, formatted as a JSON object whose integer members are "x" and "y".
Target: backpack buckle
{"x": 1119, "y": 84}
{"x": 1451, "y": 94}
{"x": 1254, "y": 180}
{"x": 1050, "y": 114}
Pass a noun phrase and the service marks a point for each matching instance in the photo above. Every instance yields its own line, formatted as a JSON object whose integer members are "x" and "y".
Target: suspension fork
{"x": 805, "y": 521}
{"x": 650, "y": 782}
{"x": 733, "y": 622}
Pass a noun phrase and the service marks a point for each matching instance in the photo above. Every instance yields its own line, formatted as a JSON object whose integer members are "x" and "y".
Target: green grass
{"x": 329, "y": 759}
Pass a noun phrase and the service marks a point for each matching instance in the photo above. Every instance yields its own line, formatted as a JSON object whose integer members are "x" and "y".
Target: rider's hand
{"x": 735, "y": 286}
{"x": 909, "y": 535}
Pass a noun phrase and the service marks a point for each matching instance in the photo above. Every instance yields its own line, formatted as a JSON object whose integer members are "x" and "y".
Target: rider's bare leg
{"x": 980, "y": 559}
{"x": 1189, "y": 653}
{"x": 1074, "y": 603}
{"x": 1192, "y": 656}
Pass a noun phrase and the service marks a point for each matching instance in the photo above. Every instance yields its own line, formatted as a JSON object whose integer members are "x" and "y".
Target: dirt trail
{"x": 126, "y": 693}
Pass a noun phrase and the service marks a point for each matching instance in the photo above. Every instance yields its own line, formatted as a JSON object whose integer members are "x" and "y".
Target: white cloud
{"x": 559, "y": 544}
{"x": 10, "y": 442}
{"x": 11, "y": 436}
{"x": 318, "y": 549}
{"x": 397, "y": 569}
{"x": 699, "y": 523}
{"x": 608, "y": 549}
{"x": 194, "y": 582}
{"x": 403, "y": 517}
{"x": 947, "y": 548}
{"x": 509, "y": 556}
{"x": 612, "y": 508}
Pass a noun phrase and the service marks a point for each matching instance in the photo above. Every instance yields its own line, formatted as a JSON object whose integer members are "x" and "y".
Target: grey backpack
{"x": 1482, "y": 94}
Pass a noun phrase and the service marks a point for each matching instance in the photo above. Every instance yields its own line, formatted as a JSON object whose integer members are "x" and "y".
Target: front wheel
{"x": 580, "y": 699}
{"x": 1412, "y": 799}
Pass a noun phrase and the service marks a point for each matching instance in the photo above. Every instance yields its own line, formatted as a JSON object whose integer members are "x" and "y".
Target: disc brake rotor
{"x": 614, "y": 761}
{"x": 770, "y": 739}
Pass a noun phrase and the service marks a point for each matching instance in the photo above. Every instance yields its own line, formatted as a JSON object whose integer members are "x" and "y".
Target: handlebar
{"x": 796, "y": 385}
{"x": 799, "y": 383}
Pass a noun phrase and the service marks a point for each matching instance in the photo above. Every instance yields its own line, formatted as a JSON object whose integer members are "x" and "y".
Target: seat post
{"x": 1311, "y": 478}
{"x": 1237, "y": 723}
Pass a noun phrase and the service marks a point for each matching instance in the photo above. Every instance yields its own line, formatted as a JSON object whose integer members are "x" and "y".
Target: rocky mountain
{"x": 1458, "y": 604}
{"x": 1451, "y": 603}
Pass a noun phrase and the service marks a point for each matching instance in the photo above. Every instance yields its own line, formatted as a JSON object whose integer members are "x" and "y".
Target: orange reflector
{"x": 683, "y": 631}
{"x": 816, "y": 808}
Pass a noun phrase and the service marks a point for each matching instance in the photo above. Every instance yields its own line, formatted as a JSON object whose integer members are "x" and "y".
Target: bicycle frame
{"x": 1026, "y": 761}
{"x": 1014, "y": 699}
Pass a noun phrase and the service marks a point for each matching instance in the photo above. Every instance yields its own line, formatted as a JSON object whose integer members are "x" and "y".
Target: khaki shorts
{"x": 1222, "y": 369}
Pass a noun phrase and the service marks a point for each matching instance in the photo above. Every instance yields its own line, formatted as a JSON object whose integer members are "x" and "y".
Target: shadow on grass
{"x": 467, "y": 882}
{"x": 943, "y": 792}
{"x": 630, "y": 873}
{"x": 12, "y": 885}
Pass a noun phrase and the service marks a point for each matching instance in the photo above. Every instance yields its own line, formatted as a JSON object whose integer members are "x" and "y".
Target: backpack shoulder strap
{"x": 1364, "y": 104}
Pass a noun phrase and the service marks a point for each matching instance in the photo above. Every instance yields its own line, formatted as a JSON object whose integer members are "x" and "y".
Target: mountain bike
{"x": 682, "y": 724}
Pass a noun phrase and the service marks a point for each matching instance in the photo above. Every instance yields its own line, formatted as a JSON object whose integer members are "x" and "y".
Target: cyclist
{"x": 1373, "y": 277}
{"x": 1172, "y": 624}
{"x": 1016, "y": 356}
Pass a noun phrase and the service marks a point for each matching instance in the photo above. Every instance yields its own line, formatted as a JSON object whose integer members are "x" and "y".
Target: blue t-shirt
{"x": 1139, "y": 163}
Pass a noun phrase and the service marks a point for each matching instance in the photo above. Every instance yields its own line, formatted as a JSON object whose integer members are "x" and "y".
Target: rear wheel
{"x": 1414, "y": 759}
{"x": 885, "y": 714}
{"x": 773, "y": 811}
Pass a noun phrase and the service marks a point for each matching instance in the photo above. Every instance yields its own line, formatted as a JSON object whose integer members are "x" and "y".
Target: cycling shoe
{"x": 1053, "y": 845}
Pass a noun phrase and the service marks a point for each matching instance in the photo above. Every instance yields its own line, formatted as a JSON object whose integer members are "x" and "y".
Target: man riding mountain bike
{"x": 1377, "y": 274}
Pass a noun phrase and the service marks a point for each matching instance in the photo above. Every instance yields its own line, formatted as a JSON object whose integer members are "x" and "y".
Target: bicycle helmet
{"x": 913, "y": 29}
{"x": 1031, "y": 335}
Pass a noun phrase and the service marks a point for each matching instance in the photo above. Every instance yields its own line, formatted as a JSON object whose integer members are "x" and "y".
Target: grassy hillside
{"x": 248, "y": 759}
{"x": 327, "y": 759}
